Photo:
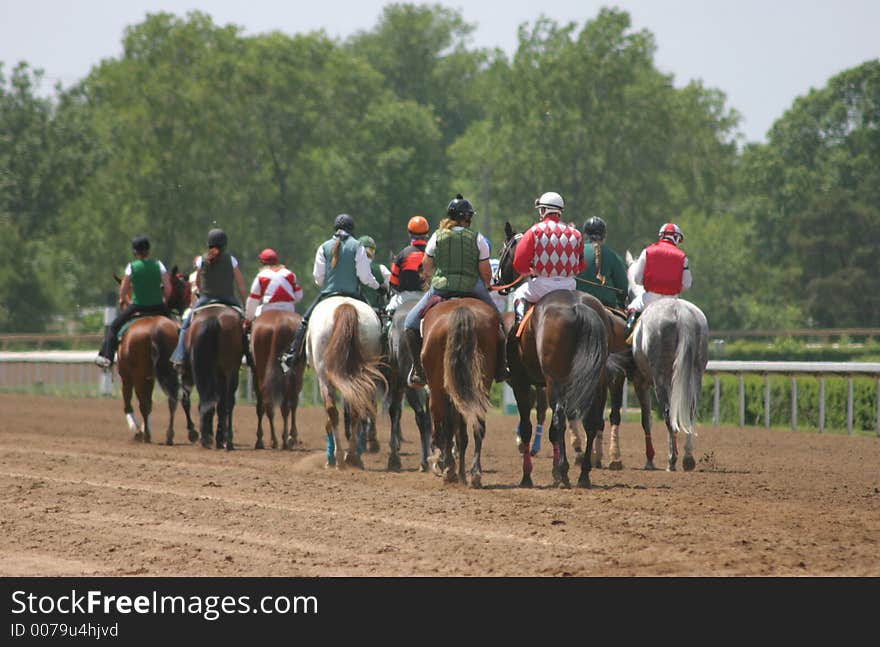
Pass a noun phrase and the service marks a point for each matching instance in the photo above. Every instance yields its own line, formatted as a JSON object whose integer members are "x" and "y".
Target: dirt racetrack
{"x": 80, "y": 497}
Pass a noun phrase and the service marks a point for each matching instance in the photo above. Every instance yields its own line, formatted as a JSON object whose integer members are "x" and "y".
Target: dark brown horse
{"x": 564, "y": 347}
{"x": 216, "y": 346}
{"x": 144, "y": 359}
{"x": 459, "y": 355}
{"x": 271, "y": 334}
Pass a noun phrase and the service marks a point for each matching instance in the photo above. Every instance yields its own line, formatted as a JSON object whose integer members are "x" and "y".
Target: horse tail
{"x": 686, "y": 377}
{"x": 165, "y": 375}
{"x": 588, "y": 364}
{"x": 205, "y": 347}
{"x": 464, "y": 367}
{"x": 272, "y": 382}
{"x": 348, "y": 366}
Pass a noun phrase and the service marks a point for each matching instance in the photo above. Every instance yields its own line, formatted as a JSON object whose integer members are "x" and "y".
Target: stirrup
{"x": 413, "y": 380}
{"x": 103, "y": 362}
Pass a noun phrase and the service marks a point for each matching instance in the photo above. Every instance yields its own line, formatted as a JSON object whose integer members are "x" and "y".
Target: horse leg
{"x": 133, "y": 425}
{"x": 557, "y": 438}
{"x": 231, "y": 388}
{"x": 540, "y": 418}
{"x": 220, "y": 437}
{"x": 476, "y": 467}
{"x": 576, "y": 429}
{"x": 260, "y": 412}
{"x": 270, "y": 414}
{"x": 331, "y": 428}
{"x": 616, "y": 391}
{"x": 447, "y": 429}
{"x": 145, "y": 402}
{"x": 672, "y": 437}
{"x": 172, "y": 408}
{"x": 395, "y": 409}
{"x": 192, "y": 432}
{"x": 372, "y": 440}
{"x": 593, "y": 421}
{"x": 643, "y": 392}
{"x": 423, "y": 421}
{"x": 523, "y": 394}
{"x": 461, "y": 443}
{"x": 356, "y": 443}
{"x": 206, "y": 414}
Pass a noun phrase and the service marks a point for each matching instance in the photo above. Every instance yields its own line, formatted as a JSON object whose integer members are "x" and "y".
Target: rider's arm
{"x": 320, "y": 267}
{"x": 638, "y": 268}
{"x": 167, "y": 289}
{"x": 239, "y": 282}
{"x": 364, "y": 272}
{"x": 525, "y": 249}
{"x": 125, "y": 291}
{"x": 686, "y": 279}
{"x": 486, "y": 272}
{"x": 253, "y": 300}
{"x": 427, "y": 267}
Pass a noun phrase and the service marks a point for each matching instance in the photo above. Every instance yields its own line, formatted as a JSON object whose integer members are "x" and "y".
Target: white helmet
{"x": 552, "y": 201}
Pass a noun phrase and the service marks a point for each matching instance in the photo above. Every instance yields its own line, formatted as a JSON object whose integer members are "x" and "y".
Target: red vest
{"x": 557, "y": 249}
{"x": 664, "y": 265}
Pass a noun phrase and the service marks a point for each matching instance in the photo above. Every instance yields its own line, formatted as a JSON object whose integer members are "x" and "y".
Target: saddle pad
{"x": 128, "y": 323}
{"x": 522, "y": 324}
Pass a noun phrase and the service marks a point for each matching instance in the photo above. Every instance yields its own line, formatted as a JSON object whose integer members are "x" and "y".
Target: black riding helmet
{"x": 459, "y": 208}
{"x": 344, "y": 222}
{"x": 594, "y": 228}
{"x": 140, "y": 244}
{"x": 217, "y": 238}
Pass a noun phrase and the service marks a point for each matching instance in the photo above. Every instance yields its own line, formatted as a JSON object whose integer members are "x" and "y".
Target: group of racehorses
{"x": 569, "y": 348}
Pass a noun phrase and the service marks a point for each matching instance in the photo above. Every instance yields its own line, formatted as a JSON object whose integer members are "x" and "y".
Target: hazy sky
{"x": 761, "y": 53}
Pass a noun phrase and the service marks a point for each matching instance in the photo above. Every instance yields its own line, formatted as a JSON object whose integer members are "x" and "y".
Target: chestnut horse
{"x": 564, "y": 347}
{"x": 216, "y": 346}
{"x": 271, "y": 334}
{"x": 144, "y": 359}
{"x": 459, "y": 354}
{"x": 343, "y": 346}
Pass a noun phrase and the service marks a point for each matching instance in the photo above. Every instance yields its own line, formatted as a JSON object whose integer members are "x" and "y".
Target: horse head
{"x": 506, "y": 275}
{"x": 180, "y": 291}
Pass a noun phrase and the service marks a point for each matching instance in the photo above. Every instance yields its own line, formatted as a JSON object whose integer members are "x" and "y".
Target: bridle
{"x": 506, "y": 251}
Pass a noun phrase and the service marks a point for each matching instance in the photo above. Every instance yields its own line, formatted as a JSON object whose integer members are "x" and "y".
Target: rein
{"x": 601, "y": 285}
{"x": 499, "y": 288}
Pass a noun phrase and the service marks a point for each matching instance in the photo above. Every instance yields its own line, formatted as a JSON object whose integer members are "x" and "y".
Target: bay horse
{"x": 540, "y": 399}
{"x": 216, "y": 346}
{"x": 343, "y": 346}
{"x": 272, "y": 333}
{"x": 459, "y": 351}
{"x": 400, "y": 363}
{"x": 563, "y": 346}
{"x": 144, "y": 358}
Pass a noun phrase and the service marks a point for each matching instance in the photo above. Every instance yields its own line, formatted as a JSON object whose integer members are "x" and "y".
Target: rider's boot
{"x": 631, "y": 319}
{"x": 289, "y": 358}
{"x": 416, "y": 377}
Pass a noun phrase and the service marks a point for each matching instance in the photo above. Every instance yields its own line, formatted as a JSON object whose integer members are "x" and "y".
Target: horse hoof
{"x": 229, "y": 447}
{"x": 649, "y": 465}
{"x": 688, "y": 463}
{"x": 353, "y": 460}
{"x": 526, "y": 481}
{"x": 259, "y": 445}
{"x": 147, "y": 438}
{"x": 169, "y": 442}
{"x": 394, "y": 464}
{"x": 450, "y": 476}
{"x": 596, "y": 463}
{"x": 476, "y": 481}
{"x": 139, "y": 436}
{"x": 192, "y": 436}
{"x": 615, "y": 465}
{"x": 423, "y": 467}
{"x": 274, "y": 444}
{"x": 584, "y": 482}
{"x": 373, "y": 446}
{"x": 290, "y": 443}
{"x": 578, "y": 457}
{"x": 328, "y": 465}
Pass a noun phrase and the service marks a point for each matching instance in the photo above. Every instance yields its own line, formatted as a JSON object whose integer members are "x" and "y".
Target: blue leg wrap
{"x": 331, "y": 450}
{"x": 536, "y": 444}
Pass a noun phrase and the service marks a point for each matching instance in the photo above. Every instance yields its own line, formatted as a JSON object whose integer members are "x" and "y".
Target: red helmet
{"x": 671, "y": 232}
{"x": 418, "y": 226}
{"x": 268, "y": 257}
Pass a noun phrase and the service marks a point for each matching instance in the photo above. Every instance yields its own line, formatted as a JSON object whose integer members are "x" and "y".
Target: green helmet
{"x": 368, "y": 242}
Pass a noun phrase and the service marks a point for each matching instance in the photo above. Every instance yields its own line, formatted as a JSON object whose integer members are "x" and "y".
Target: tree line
{"x": 271, "y": 136}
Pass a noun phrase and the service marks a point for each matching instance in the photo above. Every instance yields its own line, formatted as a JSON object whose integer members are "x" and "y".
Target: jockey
{"x": 662, "y": 269}
{"x": 217, "y": 275}
{"x": 341, "y": 267}
{"x": 144, "y": 289}
{"x": 457, "y": 262}
{"x": 381, "y": 273}
{"x": 274, "y": 287}
{"x": 605, "y": 274}
{"x": 406, "y": 278}
{"x": 550, "y": 250}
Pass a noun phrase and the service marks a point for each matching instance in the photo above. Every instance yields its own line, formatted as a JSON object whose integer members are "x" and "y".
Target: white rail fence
{"x": 74, "y": 373}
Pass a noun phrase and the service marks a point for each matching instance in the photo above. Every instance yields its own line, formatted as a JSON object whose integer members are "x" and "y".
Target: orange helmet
{"x": 418, "y": 226}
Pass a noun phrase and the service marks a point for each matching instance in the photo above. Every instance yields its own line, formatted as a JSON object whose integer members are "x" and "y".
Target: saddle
{"x": 136, "y": 317}
{"x": 219, "y": 304}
